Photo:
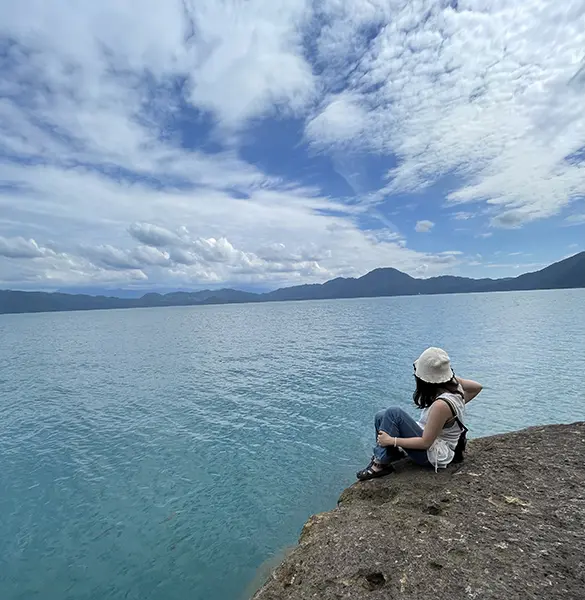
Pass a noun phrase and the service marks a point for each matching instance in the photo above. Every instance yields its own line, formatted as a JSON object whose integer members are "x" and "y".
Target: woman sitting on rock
{"x": 433, "y": 441}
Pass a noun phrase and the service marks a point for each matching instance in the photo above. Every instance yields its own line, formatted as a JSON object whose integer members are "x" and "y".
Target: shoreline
{"x": 262, "y": 302}
{"x": 265, "y": 570}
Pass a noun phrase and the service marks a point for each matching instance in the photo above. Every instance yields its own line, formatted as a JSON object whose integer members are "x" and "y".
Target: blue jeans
{"x": 397, "y": 423}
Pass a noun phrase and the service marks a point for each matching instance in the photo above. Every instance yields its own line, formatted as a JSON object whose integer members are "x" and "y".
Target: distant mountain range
{"x": 568, "y": 273}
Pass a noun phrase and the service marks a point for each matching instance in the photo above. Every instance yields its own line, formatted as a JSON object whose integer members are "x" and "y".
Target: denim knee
{"x": 379, "y": 416}
{"x": 393, "y": 411}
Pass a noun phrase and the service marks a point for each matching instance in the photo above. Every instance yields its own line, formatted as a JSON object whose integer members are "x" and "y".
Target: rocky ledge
{"x": 508, "y": 523}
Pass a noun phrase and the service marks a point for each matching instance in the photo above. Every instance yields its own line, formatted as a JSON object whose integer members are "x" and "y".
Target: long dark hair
{"x": 426, "y": 393}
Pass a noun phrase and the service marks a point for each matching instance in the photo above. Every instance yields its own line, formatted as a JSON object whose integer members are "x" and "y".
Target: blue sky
{"x": 202, "y": 143}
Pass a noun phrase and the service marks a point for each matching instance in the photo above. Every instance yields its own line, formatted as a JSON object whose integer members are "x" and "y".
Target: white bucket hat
{"x": 433, "y": 366}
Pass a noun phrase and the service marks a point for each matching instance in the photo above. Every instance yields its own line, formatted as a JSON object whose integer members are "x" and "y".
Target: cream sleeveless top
{"x": 441, "y": 453}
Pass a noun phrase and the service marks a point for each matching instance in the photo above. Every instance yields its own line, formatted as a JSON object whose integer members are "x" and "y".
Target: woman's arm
{"x": 470, "y": 388}
{"x": 439, "y": 414}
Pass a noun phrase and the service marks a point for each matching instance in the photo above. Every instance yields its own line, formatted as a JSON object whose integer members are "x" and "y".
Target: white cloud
{"x": 148, "y": 256}
{"x": 18, "y": 247}
{"x": 199, "y": 236}
{"x": 91, "y": 93}
{"x": 277, "y": 239}
{"x": 486, "y": 92}
{"x": 248, "y": 62}
{"x": 111, "y": 257}
{"x": 108, "y": 256}
{"x": 182, "y": 256}
{"x": 155, "y": 236}
{"x": 575, "y": 219}
{"x": 423, "y": 226}
{"x": 54, "y": 269}
{"x": 339, "y": 122}
{"x": 462, "y": 216}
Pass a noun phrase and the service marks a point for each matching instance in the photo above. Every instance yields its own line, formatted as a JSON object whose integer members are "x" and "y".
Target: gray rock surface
{"x": 508, "y": 523}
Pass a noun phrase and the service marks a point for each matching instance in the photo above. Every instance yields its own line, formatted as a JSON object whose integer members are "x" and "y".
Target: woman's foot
{"x": 374, "y": 470}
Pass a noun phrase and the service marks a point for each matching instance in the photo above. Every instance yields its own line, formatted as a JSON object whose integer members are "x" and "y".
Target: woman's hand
{"x": 384, "y": 439}
{"x": 470, "y": 388}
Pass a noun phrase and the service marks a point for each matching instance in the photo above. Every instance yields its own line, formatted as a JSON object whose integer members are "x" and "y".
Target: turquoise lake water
{"x": 165, "y": 454}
